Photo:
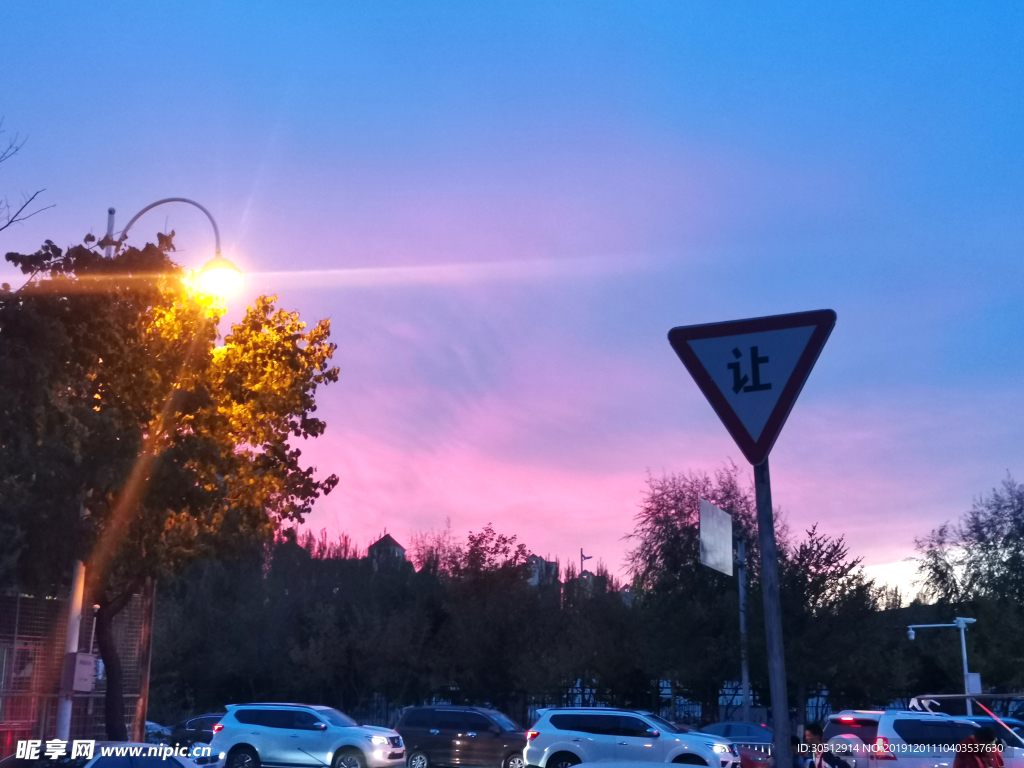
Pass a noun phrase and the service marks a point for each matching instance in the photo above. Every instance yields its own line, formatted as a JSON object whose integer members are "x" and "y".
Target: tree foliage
{"x": 982, "y": 555}
{"x": 125, "y": 426}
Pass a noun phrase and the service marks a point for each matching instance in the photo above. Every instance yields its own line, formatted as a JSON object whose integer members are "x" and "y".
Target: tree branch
{"x": 19, "y": 215}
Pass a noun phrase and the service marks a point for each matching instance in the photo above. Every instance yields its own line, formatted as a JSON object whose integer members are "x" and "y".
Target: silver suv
{"x": 566, "y": 737}
{"x": 301, "y": 736}
{"x": 908, "y": 738}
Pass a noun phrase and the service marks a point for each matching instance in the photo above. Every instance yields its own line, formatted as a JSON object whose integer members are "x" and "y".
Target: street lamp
{"x": 219, "y": 276}
{"x": 961, "y": 624}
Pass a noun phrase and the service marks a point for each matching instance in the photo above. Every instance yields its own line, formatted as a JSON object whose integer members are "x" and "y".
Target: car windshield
{"x": 665, "y": 725}
{"x": 505, "y": 723}
{"x": 334, "y": 717}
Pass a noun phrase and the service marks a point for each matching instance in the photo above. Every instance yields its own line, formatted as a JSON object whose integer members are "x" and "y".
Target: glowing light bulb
{"x": 220, "y": 277}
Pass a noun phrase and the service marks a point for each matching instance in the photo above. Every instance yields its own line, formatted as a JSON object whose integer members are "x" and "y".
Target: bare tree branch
{"x": 22, "y": 213}
{"x": 7, "y": 218}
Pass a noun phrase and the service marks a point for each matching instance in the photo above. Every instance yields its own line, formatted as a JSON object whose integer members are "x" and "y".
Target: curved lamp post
{"x": 961, "y": 624}
{"x": 219, "y": 276}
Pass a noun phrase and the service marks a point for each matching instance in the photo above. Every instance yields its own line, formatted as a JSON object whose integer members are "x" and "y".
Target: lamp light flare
{"x": 220, "y": 277}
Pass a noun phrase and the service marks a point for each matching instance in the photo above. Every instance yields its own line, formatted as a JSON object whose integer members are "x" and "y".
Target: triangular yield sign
{"x": 752, "y": 371}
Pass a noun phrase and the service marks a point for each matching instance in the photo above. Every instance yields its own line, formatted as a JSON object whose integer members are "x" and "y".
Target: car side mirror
{"x": 319, "y": 726}
{"x": 653, "y": 733}
{"x": 494, "y": 729}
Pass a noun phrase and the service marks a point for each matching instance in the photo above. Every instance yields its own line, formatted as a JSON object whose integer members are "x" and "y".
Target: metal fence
{"x": 32, "y": 632}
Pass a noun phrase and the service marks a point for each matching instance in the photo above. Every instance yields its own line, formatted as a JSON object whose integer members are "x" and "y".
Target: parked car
{"x": 565, "y": 737}
{"x": 461, "y": 736}
{"x": 298, "y": 735}
{"x": 910, "y": 739}
{"x": 194, "y": 730}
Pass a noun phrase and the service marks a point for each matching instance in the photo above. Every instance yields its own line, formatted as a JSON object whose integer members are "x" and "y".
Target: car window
{"x": 268, "y": 718}
{"x": 447, "y": 720}
{"x": 418, "y": 718}
{"x": 717, "y": 729}
{"x": 632, "y": 726}
{"x": 305, "y": 721}
{"x": 602, "y": 725}
{"x": 863, "y": 728}
{"x": 207, "y": 723}
{"x": 248, "y": 716}
{"x": 505, "y": 723}
{"x": 940, "y": 733}
{"x": 474, "y": 721}
{"x": 334, "y": 717}
{"x": 665, "y": 725}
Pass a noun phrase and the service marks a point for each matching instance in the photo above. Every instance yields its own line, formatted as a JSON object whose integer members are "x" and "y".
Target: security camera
{"x": 910, "y": 633}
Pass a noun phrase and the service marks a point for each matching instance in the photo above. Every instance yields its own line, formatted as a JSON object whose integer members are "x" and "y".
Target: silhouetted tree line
{"x": 308, "y": 619}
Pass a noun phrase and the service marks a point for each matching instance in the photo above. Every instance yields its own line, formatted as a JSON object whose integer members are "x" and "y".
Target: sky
{"x": 504, "y": 207}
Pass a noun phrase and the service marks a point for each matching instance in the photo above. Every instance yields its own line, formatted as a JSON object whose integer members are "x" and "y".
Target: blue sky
{"x": 539, "y": 192}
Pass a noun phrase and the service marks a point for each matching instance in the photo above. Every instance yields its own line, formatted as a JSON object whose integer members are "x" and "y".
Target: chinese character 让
{"x": 740, "y": 380}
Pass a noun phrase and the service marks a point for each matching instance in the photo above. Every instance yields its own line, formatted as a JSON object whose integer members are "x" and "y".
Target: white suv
{"x": 300, "y": 736}
{"x": 565, "y": 737}
{"x": 908, "y": 739}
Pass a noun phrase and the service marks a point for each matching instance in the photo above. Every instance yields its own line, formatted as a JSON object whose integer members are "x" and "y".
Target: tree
{"x": 691, "y": 613}
{"x": 10, "y": 215}
{"x": 981, "y": 556}
{"x": 832, "y": 638}
{"x": 124, "y": 425}
{"x": 977, "y": 564}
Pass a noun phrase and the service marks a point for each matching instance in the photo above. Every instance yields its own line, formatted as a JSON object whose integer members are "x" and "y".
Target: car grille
{"x": 395, "y": 741}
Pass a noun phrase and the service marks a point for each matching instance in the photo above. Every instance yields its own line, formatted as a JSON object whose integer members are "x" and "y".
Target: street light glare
{"x": 220, "y": 277}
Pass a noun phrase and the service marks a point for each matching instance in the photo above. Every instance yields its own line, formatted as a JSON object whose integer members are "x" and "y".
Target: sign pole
{"x": 772, "y": 614}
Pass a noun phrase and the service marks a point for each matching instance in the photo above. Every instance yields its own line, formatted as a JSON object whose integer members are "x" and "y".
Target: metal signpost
{"x": 752, "y": 371}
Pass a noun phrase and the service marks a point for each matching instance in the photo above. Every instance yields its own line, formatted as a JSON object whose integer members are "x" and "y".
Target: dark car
{"x": 461, "y": 736}
{"x": 195, "y": 730}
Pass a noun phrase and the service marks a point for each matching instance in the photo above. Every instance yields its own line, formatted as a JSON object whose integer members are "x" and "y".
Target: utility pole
{"x": 962, "y": 624}
{"x": 741, "y": 572}
{"x": 109, "y": 250}
{"x": 74, "y": 626}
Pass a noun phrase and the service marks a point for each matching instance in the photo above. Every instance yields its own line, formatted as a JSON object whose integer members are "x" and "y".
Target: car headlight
{"x": 722, "y": 749}
{"x": 382, "y": 740}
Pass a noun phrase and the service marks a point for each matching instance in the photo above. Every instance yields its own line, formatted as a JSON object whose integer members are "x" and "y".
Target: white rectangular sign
{"x": 715, "y": 538}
